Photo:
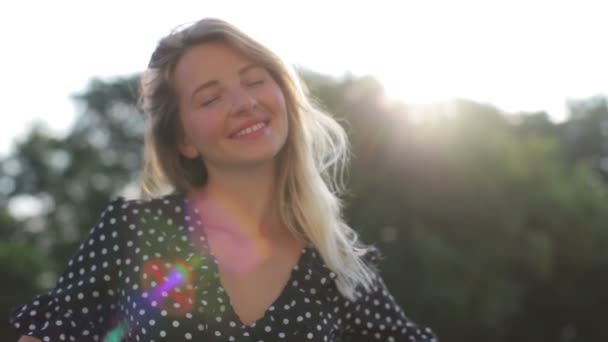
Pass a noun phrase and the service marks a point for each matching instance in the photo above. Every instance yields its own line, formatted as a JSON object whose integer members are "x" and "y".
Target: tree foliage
{"x": 493, "y": 226}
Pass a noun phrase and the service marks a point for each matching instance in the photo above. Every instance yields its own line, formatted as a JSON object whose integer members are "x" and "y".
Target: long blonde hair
{"x": 311, "y": 163}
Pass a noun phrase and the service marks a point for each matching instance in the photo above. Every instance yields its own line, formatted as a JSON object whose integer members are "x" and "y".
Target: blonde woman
{"x": 241, "y": 236}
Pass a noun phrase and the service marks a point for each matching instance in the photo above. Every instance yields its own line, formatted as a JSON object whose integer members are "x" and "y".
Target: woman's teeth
{"x": 251, "y": 129}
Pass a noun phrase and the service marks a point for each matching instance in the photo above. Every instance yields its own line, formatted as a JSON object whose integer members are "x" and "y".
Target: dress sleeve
{"x": 83, "y": 304}
{"x": 376, "y": 316}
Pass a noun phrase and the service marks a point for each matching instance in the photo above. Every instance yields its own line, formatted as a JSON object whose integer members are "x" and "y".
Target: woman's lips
{"x": 252, "y": 131}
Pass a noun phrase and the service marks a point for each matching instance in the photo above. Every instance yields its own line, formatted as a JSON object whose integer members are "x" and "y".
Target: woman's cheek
{"x": 207, "y": 125}
{"x": 278, "y": 99}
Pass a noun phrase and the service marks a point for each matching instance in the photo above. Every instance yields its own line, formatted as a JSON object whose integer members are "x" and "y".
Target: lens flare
{"x": 169, "y": 284}
{"x": 118, "y": 333}
{"x": 239, "y": 244}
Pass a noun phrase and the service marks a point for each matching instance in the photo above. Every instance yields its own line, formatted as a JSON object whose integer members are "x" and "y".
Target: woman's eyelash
{"x": 256, "y": 82}
{"x": 208, "y": 102}
{"x": 251, "y": 84}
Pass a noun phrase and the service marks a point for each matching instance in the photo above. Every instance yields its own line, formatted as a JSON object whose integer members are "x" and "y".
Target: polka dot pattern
{"x": 124, "y": 274}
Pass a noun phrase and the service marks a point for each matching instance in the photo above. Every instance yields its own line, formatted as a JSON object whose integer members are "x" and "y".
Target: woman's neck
{"x": 242, "y": 202}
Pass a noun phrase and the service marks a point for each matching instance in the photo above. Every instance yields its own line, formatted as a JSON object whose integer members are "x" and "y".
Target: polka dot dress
{"x": 145, "y": 273}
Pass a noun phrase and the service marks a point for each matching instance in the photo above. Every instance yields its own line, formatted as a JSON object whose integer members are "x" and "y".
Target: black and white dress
{"x": 144, "y": 274}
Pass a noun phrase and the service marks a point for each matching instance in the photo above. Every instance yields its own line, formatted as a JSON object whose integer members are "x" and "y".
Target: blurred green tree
{"x": 492, "y": 226}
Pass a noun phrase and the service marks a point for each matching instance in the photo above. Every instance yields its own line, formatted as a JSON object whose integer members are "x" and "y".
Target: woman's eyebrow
{"x": 203, "y": 86}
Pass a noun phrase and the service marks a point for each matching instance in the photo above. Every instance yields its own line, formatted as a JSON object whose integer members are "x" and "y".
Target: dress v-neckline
{"x": 285, "y": 288}
{"x": 223, "y": 296}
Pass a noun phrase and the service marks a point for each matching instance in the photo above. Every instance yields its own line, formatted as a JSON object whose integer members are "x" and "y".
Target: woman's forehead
{"x": 211, "y": 58}
{"x": 209, "y": 62}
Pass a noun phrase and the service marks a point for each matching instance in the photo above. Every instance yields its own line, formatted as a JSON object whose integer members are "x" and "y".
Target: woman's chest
{"x": 182, "y": 298}
{"x": 251, "y": 293}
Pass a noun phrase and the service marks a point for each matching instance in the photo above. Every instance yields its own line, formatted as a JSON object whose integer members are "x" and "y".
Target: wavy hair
{"x": 311, "y": 163}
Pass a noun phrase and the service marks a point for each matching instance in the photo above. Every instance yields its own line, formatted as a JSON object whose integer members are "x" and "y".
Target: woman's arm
{"x": 28, "y": 339}
{"x": 83, "y": 301}
{"x": 376, "y": 316}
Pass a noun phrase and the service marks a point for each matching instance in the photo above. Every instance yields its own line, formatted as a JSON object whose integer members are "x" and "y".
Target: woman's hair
{"x": 311, "y": 164}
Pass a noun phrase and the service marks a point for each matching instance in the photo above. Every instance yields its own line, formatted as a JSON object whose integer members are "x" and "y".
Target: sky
{"x": 518, "y": 55}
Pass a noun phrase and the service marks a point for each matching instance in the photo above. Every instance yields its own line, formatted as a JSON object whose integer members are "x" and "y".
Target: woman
{"x": 249, "y": 244}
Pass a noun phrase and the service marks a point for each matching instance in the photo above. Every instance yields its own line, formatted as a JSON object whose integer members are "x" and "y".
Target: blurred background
{"x": 479, "y": 133}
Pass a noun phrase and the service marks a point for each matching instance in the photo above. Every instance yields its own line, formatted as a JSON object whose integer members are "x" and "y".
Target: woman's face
{"x": 233, "y": 113}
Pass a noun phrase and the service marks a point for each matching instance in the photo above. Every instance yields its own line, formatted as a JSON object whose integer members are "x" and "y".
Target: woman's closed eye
{"x": 210, "y": 101}
{"x": 256, "y": 83}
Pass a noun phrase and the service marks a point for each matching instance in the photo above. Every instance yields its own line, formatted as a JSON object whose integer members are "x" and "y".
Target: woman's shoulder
{"x": 170, "y": 203}
{"x": 124, "y": 216}
{"x": 372, "y": 255}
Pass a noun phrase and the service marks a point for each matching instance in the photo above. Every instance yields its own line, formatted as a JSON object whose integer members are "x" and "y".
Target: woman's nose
{"x": 242, "y": 100}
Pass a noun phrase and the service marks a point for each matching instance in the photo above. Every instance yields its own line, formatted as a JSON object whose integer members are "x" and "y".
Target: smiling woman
{"x": 249, "y": 244}
{"x": 224, "y": 100}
